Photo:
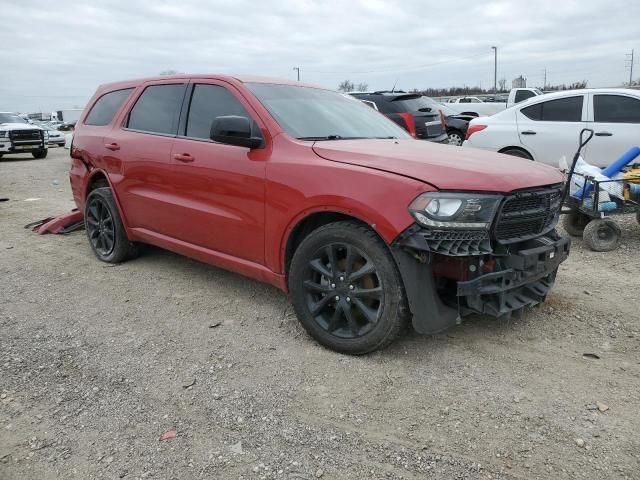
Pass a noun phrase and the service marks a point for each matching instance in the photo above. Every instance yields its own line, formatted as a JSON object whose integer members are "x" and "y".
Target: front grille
{"x": 26, "y": 135}
{"x": 527, "y": 214}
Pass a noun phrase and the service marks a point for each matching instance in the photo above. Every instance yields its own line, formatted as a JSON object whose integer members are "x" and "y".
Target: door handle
{"x": 528, "y": 132}
{"x": 183, "y": 157}
{"x": 112, "y": 146}
{"x": 604, "y": 134}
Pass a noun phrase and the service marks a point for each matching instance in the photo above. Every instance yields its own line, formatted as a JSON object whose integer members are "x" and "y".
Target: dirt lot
{"x": 98, "y": 361}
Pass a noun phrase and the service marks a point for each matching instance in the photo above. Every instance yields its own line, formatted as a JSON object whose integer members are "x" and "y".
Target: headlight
{"x": 4, "y": 133}
{"x": 455, "y": 210}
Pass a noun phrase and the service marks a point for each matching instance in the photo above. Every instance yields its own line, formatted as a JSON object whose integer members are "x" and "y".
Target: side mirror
{"x": 234, "y": 130}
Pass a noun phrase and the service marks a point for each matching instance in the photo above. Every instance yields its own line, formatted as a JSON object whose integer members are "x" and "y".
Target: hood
{"x": 19, "y": 126}
{"x": 444, "y": 166}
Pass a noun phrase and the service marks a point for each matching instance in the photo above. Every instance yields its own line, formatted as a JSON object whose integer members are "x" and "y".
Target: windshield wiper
{"x": 330, "y": 137}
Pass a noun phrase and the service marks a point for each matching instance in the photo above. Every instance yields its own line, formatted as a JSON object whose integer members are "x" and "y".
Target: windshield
{"x": 11, "y": 118}
{"x": 315, "y": 114}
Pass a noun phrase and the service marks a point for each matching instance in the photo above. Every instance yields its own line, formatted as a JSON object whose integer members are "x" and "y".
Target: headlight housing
{"x": 4, "y": 133}
{"x": 455, "y": 210}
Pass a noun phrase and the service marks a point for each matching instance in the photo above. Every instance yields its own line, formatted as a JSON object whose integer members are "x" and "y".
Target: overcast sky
{"x": 55, "y": 53}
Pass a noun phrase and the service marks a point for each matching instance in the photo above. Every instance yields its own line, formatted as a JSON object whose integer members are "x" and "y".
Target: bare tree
{"x": 362, "y": 87}
{"x": 503, "y": 84}
{"x": 346, "y": 86}
{"x": 169, "y": 72}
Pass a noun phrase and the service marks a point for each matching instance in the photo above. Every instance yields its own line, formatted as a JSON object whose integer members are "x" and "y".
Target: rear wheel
{"x": 602, "y": 235}
{"x": 516, "y": 152}
{"x": 40, "y": 153}
{"x": 346, "y": 289}
{"x": 105, "y": 230}
{"x": 574, "y": 223}
{"x": 455, "y": 137}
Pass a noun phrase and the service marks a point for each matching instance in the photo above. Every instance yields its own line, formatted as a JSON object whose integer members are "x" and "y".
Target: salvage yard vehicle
{"x": 474, "y": 107}
{"x": 319, "y": 195}
{"x": 413, "y": 112}
{"x": 18, "y": 136}
{"x": 545, "y": 128}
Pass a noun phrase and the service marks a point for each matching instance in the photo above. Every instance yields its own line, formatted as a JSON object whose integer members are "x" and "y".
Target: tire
{"x": 455, "y": 137}
{"x": 574, "y": 223}
{"x": 360, "y": 300}
{"x": 105, "y": 231}
{"x": 38, "y": 154}
{"x": 602, "y": 235}
{"x": 516, "y": 152}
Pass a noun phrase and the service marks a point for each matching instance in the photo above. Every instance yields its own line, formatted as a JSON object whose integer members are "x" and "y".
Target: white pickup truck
{"x": 474, "y": 107}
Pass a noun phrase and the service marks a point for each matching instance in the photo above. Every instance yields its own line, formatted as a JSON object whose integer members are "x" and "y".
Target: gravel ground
{"x": 98, "y": 361}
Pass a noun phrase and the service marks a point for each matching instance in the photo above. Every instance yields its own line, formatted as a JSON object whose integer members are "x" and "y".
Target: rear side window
{"x": 616, "y": 109}
{"x": 522, "y": 95}
{"x": 157, "y": 110}
{"x": 207, "y": 103}
{"x": 561, "y": 110}
{"x": 106, "y": 107}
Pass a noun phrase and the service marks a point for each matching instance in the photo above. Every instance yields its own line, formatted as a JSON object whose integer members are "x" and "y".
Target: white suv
{"x": 17, "y": 136}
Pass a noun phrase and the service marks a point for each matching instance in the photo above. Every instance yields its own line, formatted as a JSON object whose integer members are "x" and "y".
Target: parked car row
{"x": 421, "y": 116}
{"x": 546, "y": 128}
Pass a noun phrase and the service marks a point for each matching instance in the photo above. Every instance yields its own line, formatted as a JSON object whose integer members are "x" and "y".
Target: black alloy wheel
{"x": 346, "y": 288}
{"x": 105, "y": 230}
{"x": 100, "y": 227}
{"x": 345, "y": 295}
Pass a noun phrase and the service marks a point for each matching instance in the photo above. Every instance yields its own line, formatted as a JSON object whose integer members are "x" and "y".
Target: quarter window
{"x": 106, "y": 107}
{"x": 560, "y": 110}
{"x": 616, "y": 109}
{"x": 157, "y": 109}
{"x": 207, "y": 103}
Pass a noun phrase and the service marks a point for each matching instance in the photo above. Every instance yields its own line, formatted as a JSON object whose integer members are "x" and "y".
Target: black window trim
{"x": 125, "y": 120}
{"x": 115, "y": 115}
{"x": 186, "y": 107}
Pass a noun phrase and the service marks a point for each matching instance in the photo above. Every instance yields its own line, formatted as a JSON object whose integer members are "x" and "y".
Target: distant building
{"x": 519, "y": 82}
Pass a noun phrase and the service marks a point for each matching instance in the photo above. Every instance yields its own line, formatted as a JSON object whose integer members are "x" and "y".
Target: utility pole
{"x": 544, "y": 85}
{"x": 495, "y": 69}
{"x": 630, "y": 60}
{"x": 297, "y": 69}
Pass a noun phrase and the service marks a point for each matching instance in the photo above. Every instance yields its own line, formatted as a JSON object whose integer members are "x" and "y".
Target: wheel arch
{"x": 304, "y": 225}
{"x": 99, "y": 178}
{"x": 515, "y": 147}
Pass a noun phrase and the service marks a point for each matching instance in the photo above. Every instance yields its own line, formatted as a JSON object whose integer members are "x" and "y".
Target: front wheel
{"x": 346, "y": 289}
{"x": 602, "y": 235}
{"x": 38, "y": 154}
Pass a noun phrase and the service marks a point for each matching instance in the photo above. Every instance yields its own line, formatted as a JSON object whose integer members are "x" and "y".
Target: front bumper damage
{"x": 471, "y": 277}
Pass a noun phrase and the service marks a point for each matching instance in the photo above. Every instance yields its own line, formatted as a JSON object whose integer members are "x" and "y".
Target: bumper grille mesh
{"x": 527, "y": 214}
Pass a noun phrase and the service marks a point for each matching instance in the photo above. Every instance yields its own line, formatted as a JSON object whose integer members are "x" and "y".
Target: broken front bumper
{"x": 525, "y": 280}
{"x": 443, "y": 288}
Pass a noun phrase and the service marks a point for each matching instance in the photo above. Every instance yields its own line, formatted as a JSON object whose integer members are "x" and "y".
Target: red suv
{"x": 319, "y": 195}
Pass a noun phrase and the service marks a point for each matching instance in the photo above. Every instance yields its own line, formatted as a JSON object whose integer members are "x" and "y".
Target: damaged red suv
{"x": 319, "y": 195}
